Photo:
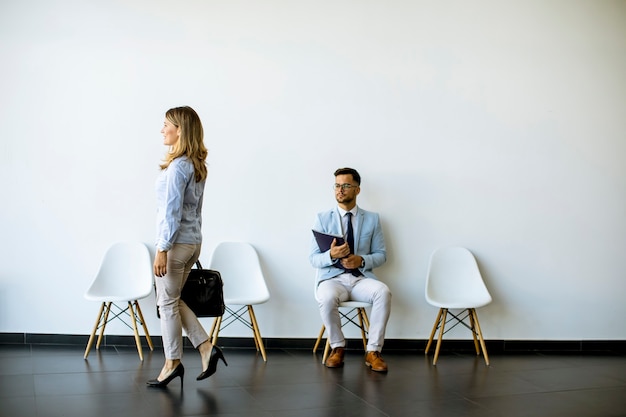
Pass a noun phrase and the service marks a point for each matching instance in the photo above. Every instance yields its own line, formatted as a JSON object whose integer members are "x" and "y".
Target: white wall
{"x": 500, "y": 126}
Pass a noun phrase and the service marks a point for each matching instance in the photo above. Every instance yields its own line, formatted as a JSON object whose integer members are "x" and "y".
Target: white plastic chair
{"x": 244, "y": 286}
{"x": 356, "y": 309}
{"x": 125, "y": 276}
{"x": 454, "y": 282}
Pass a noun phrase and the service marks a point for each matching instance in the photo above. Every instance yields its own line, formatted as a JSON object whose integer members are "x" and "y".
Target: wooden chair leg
{"x": 432, "y": 334}
{"x": 103, "y": 324}
{"x": 145, "y": 326}
{"x": 480, "y": 335}
{"x": 254, "y": 338}
{"x": 366, "y": 319}
{"x": 133, "y": 318}
{"x": 93, "y": 332}
{"x": 361, "y": 313}
{"x": 326, "y": 351}
{"x": 218, "y": 327}
{"x": 441, "y": 331}
{"x": 319, "y": 338}
{"x": 257, "y": 332}
{"x": 473, "y": 329}
{"x": 215, "y": 330}
{"x": 254, "y": 333}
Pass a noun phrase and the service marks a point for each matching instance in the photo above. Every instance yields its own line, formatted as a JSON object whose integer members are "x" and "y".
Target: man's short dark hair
{"x": 349, "y": 171}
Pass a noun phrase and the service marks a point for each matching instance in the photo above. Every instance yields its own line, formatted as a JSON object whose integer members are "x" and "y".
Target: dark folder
{"x": 324, "y": 240}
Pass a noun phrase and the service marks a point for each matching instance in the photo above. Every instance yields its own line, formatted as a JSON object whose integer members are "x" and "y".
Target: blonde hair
{"x": 191, "y": 140}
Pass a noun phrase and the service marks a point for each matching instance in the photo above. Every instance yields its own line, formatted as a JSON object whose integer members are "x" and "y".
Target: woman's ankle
{"x": 205, "y": 347}
{"x": 171, "y": 364}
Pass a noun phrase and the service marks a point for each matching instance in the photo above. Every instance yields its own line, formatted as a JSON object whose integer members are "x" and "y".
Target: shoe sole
{"x": 369, "y": 365}
{"x": 336, "y": 366}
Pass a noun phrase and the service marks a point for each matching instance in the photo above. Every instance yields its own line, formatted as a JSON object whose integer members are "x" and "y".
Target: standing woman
{"x": 180, "y": 189}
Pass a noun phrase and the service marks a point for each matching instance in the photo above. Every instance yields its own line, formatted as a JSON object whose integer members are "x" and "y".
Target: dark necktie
{"x": 350, "y": 239}
{"x": 350, "y": 232}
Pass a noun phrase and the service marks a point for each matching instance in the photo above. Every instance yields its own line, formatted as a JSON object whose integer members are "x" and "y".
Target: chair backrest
{"x": 125, "y": 274}
{"x": 239, "y": 266}
{"x": 454, "y": 280}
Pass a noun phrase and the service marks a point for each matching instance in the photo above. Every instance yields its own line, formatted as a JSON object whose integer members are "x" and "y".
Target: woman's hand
{"x": 160, "y": 263}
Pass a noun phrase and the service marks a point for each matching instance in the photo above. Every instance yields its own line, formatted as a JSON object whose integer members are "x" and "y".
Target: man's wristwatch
{"x": 362, "y": 263}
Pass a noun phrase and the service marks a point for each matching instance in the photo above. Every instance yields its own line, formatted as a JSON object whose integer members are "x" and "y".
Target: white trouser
{"x": 346, "y": 287}
{"x": 175, "y": 314}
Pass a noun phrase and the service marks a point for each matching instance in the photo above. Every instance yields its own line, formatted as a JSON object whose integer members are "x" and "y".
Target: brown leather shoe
{"x": 335, "y": 359}
{"x": 375, "y": 361}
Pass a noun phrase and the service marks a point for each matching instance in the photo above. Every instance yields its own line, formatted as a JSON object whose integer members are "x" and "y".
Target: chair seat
{"x": 115, "y": 297}
{"x": 241, "y": 301}
{"x": 354, "y": 304}
{"x": 451, "y": 303}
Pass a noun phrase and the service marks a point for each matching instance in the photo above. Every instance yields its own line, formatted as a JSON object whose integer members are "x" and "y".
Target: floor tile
{"x": 17, "y": 386}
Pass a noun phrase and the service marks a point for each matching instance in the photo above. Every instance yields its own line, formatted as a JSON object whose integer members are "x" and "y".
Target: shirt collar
{"x": 343, "y": 212}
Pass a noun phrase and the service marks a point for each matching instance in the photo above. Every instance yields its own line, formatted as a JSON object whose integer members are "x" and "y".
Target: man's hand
{"x": 352, "y": 262}
{"x": 160, "y": 263}
{"x": 339, "y": 251}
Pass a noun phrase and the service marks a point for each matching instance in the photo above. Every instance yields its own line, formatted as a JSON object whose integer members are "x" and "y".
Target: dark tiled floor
{"x": 41, "y": 380}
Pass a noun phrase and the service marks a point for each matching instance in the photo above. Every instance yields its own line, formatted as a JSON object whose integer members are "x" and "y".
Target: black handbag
{"x": 203, "y": 292}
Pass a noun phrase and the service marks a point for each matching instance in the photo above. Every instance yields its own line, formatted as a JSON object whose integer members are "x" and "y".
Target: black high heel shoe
{"x": 179, "y": 371}
{"x": 216, "y": 353}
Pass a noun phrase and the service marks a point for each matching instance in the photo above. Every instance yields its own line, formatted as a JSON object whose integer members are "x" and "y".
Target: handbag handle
{"x": 198, "y": 264}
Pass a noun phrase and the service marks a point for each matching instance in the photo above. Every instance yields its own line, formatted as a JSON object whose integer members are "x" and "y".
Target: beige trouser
{"x": 175, "y": 314}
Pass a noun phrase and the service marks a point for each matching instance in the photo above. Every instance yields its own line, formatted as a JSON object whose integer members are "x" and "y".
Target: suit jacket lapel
{"x": 358, "y": 222}
{"x": 336, "y": 227}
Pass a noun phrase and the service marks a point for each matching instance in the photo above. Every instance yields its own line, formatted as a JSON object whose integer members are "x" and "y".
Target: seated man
{"x": 344, "y": 272}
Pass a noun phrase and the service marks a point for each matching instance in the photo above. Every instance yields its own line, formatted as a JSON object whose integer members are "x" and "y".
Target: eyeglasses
{"x": 344, "y": 187}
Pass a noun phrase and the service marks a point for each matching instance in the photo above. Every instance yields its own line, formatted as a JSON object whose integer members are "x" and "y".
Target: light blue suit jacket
{"x": 369, "y": 243}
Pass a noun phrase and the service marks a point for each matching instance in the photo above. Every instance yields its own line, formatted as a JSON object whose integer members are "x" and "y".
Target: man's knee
{"x": 383, "y": 294}
{"x": 327, "y": 300}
